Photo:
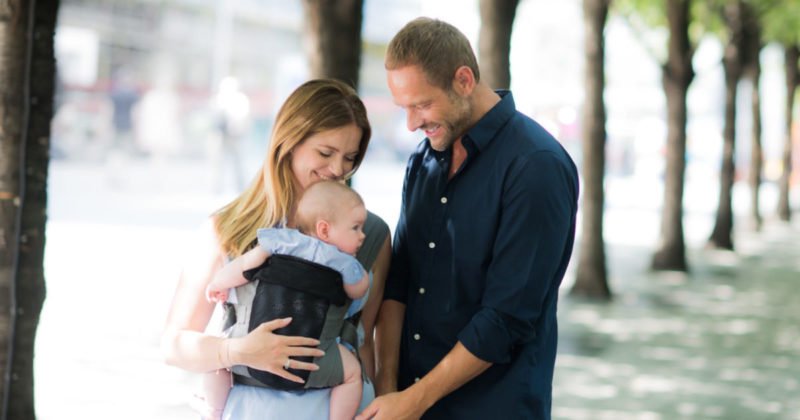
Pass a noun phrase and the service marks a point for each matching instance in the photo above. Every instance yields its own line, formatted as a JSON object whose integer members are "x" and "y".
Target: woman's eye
{"x": 350, "y": 158}
{"x": 325, "y": 154}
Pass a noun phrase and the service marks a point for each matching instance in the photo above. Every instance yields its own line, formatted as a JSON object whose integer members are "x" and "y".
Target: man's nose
{"x": 412, "y": 120}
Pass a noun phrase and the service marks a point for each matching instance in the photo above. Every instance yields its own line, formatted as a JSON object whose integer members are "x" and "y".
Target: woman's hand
{"x": 262, "y": 349}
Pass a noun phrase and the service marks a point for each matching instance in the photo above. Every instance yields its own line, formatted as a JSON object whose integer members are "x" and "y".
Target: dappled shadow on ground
{"x": 720, "y": 342}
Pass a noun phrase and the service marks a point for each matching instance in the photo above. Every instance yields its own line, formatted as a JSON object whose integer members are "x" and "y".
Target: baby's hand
{"x": 216, "y": 295}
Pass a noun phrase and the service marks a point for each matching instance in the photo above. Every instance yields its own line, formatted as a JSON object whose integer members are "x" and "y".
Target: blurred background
{"x": 162, "y": 114}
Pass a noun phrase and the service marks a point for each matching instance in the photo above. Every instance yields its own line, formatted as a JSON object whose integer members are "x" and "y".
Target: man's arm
{"x": 457, "y": 368}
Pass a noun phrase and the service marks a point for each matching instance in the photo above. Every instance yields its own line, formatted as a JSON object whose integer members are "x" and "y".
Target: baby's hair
{"x": 324, "y": 200}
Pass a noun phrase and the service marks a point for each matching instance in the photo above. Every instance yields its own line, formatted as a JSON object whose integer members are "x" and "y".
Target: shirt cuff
{"x": 487, "y": 337}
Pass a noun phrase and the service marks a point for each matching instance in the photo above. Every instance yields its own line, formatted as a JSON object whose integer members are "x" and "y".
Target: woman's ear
{"x": 323, "y": 230}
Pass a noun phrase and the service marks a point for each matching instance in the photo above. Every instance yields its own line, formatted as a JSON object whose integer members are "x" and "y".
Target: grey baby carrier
{"x": 313, "y": 295}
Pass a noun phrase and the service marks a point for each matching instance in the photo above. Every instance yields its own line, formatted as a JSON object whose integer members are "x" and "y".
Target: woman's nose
{"x": 337, "y": 168}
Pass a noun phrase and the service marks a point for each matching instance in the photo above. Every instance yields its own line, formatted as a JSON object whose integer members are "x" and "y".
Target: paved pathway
{"x": 722, "y": 342}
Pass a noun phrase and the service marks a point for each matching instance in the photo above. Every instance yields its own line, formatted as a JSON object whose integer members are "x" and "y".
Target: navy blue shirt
{"x": 479, "y": 259}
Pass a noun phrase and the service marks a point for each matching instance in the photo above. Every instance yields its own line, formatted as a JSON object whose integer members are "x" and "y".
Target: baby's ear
{"x": 323, "y": 230}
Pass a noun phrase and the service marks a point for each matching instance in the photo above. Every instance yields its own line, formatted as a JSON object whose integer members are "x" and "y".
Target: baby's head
{"x": 333, "y": 213}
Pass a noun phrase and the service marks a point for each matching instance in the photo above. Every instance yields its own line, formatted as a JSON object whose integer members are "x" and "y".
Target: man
{"x": 484, "y": 237}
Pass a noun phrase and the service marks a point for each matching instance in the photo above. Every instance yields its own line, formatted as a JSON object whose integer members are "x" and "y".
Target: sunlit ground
{"x": 720, "y": 343}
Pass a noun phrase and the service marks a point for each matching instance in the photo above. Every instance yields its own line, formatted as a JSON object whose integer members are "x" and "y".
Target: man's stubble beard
{"x": 457, "y": 128}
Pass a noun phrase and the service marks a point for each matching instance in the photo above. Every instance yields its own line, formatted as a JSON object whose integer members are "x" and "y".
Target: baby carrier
{"x": 313, "y": 295}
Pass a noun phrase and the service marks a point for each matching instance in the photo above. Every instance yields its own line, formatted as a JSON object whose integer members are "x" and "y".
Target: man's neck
{"x": 484, "y": 99}
{"x": 458, "y": 158}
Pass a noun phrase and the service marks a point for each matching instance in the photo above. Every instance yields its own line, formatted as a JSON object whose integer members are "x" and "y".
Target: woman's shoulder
{"x": 375, "y": 226}
{"x": 207, "y": 234}
{"x": 375, "y": 233}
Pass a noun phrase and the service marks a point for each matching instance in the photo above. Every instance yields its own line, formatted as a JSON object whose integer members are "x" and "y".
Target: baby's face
{"x": 347, "y": 231}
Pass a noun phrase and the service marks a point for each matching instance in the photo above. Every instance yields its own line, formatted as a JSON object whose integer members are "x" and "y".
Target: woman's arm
{"x": 387, "y": 345}
{"x": 379, "y": 271}
{"x": 184, "y": 342}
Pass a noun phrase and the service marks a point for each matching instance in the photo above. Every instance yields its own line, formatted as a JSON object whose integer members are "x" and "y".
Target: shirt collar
{"x": 482, "y": 133}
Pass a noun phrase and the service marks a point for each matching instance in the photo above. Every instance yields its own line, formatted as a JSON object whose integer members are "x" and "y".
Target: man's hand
{"x": 403, "y": 405}
{"x": 457, "y": 368}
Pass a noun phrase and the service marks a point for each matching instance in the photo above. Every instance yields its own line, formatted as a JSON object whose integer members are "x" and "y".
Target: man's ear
{"x": 464, "y": 81}
{"x": 323, "y": 230}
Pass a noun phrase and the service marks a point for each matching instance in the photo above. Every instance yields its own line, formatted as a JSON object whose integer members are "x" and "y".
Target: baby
{"x": 329, "y": 218}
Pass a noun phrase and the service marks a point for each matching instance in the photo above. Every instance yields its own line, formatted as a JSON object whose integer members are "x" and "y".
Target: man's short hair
{"x": 436, "y": 46}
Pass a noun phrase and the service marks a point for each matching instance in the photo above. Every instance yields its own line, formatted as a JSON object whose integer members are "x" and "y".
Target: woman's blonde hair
{"x": 314, "y": 107}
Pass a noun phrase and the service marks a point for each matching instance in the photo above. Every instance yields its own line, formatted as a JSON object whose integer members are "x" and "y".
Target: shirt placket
{"x": 436, "y": 204}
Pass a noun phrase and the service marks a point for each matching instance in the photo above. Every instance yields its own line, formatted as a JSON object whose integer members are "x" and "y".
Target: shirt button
{"x": 422, "y": 290}
{"x": 416, "y": 337}
{"x": 416, "y": 379}
{"x": 431, "y": 245}
{"x": 444, "y": 200}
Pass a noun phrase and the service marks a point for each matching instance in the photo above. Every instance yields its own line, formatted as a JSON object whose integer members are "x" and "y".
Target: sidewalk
{"x": 722, "y": 342}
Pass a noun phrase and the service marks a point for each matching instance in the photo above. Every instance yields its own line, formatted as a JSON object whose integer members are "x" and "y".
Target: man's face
{"x": 442, "y": 115}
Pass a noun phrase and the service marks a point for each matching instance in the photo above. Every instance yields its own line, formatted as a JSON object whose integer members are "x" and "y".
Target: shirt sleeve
{"x": 396, "y": 287}
{"x": 281, "y": 240}
{"x": 539, "y": 204}
{"x": 351, "y": 270}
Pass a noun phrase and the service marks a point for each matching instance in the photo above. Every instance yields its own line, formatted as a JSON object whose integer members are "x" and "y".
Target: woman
{"x": 321, "y": 132}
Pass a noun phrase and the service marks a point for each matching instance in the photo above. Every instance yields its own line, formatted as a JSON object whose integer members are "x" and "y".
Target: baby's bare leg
{"x": 346, "y": 397}
{"x": 216, "y": 386}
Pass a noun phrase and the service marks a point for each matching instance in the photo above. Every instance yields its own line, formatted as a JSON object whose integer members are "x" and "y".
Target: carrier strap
{"x": 302, "y": 275}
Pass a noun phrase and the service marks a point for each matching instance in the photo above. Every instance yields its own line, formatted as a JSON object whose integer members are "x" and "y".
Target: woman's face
{"x": 329, "y": 154}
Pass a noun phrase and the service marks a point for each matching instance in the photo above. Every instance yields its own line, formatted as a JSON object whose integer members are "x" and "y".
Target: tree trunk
{"x": 27, "y": 71}
{"x": 591, "y": 278}
{"x": 677, "y": 75}
{"x": 722, "y": 234}
{"x": 494, "y": 41}
{"x": 333, "y": 35}
{"x": 791, "y": 56}
{"x": 756, "y": 150}
{"x": 752, "y": 50}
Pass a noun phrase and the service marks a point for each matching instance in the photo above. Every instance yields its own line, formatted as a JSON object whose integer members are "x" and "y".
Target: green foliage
{"x": 651, "y": 15}
{"x": 650, "y": 12}
{"x": 780, "y": 20}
